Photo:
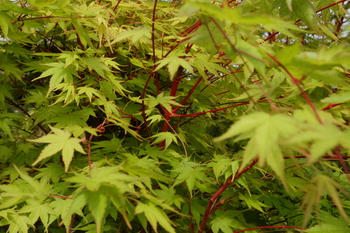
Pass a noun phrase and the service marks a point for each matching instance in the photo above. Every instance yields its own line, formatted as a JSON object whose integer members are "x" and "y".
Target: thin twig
{"x": 213, "y": 199}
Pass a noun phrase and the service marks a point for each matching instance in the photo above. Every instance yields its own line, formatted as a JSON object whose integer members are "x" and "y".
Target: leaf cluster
{"x": 174, "y": 116}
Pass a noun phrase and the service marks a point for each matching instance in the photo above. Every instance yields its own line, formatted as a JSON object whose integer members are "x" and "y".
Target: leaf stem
{"x": 215, "y": 110}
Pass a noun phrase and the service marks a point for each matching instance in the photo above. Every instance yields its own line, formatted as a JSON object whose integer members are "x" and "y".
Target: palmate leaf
{"x": 154, "y": 215}
{"x": 165, "y": 101}
{"x": 59, "y": 72}
{"x": 173, "y": 65}
{"x": 202, "y": 63}
{"x": 60, "y": 140}
{"x": 321, "y": 137}
{"x": 316, "y": 189}
{"x": 134, "y": 35}
{"x": 273, "y": 129}
{"x": 5, "y": 23}
{"x": 305, "y": 11}
{"x": 30, "y": 180}
{"x": 19, "y": 223}
{"x": 12, "y": 7}
{"x": 155, "y": 118}
{"x": 38, "y": 210}
{"x": 97, "y": 205}
{"x": 220, "y": 166}
{"x": 95, "y": 64}
{"x": 169, "y": 196}
{"x": 4, "y": 92}
{"x": 339, "y": 97}
{"x": 165, "y": 136}
{"x": 245, "y": 124}
{"x": 118, "y": 200}
{"x": 5, "y": 125}
{"x": 225, "y": 221}
{"x": 69, "y": 57}
{"x": 83, "y": 33}
{"x": 328, "y": 228}
{"x": 221, "y": 223}
{"x": 252, "y": 202}
{"x": 191, "y": 173}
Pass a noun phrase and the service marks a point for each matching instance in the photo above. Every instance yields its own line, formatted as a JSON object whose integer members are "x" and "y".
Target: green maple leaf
{"x": 165, "y": 101}
{"x": 59, "y": 72}
{"x": 5, "y": 23}
{"x": 60, "y": 140}
{"x": 4, "y": 92}
{"x": 221, "y": 223}
{"x": 154, "y": 215}
{"x": 96, "y": 64}
{"x": 165, "y": 136}
{"x": 173, "y": 65}
{"x": 192, "y": 173}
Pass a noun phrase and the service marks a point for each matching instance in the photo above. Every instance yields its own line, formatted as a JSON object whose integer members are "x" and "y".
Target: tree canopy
{"x": 174, "y": 116}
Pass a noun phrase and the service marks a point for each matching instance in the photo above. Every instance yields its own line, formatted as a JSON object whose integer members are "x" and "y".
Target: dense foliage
{"x": 174, "y": 116}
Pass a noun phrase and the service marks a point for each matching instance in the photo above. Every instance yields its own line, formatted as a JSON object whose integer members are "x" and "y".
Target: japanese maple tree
{"x": 174, "y": 116}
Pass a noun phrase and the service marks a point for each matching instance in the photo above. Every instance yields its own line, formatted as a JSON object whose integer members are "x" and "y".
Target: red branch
{"x": 213, "y": 199}
{"x": 62, "y": 197}
{"x": 333, "y": 4}
{"x": 215, "y": 110}
{"x": 79, "y": 40}
{"x": 188, "y": 94}
{"x": 190, "y": 29}
{"x": 183, "y": 34}
{"x": 174, "y": 88}
{"x": 152, "y": 34}
{"x": 330, "y": 106}
{"x": 151, "y": 75}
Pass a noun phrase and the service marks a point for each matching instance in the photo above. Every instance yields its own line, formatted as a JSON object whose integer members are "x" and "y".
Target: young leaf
{"x": 221, "y": 223}
{"x": 306, "y": 12}
{"x": 252, "y": 202}
{"x": 135, "y": 35}
{"x": 19, "y": 223}
{"x": 97, "y": 205}
{"x": 165, "y": 136}
{"x": 191, "y": 173}
{"x": 173, "y": 65}
{"x": 59, "y": 72}
{"x": 34, "y": 183}
{"x": 327, "y": 228}
{"x": 60, "y": 140}
{"x": 245, "y": 124}
{"x": 165, "y": 101}
{"x": 154, "y": 215}
{"x": 95, "y": 64}
{"x": 339, "y": 97}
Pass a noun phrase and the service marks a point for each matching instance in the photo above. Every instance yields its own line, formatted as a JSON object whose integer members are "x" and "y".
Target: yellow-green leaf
{"x": 59, "y": 141}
